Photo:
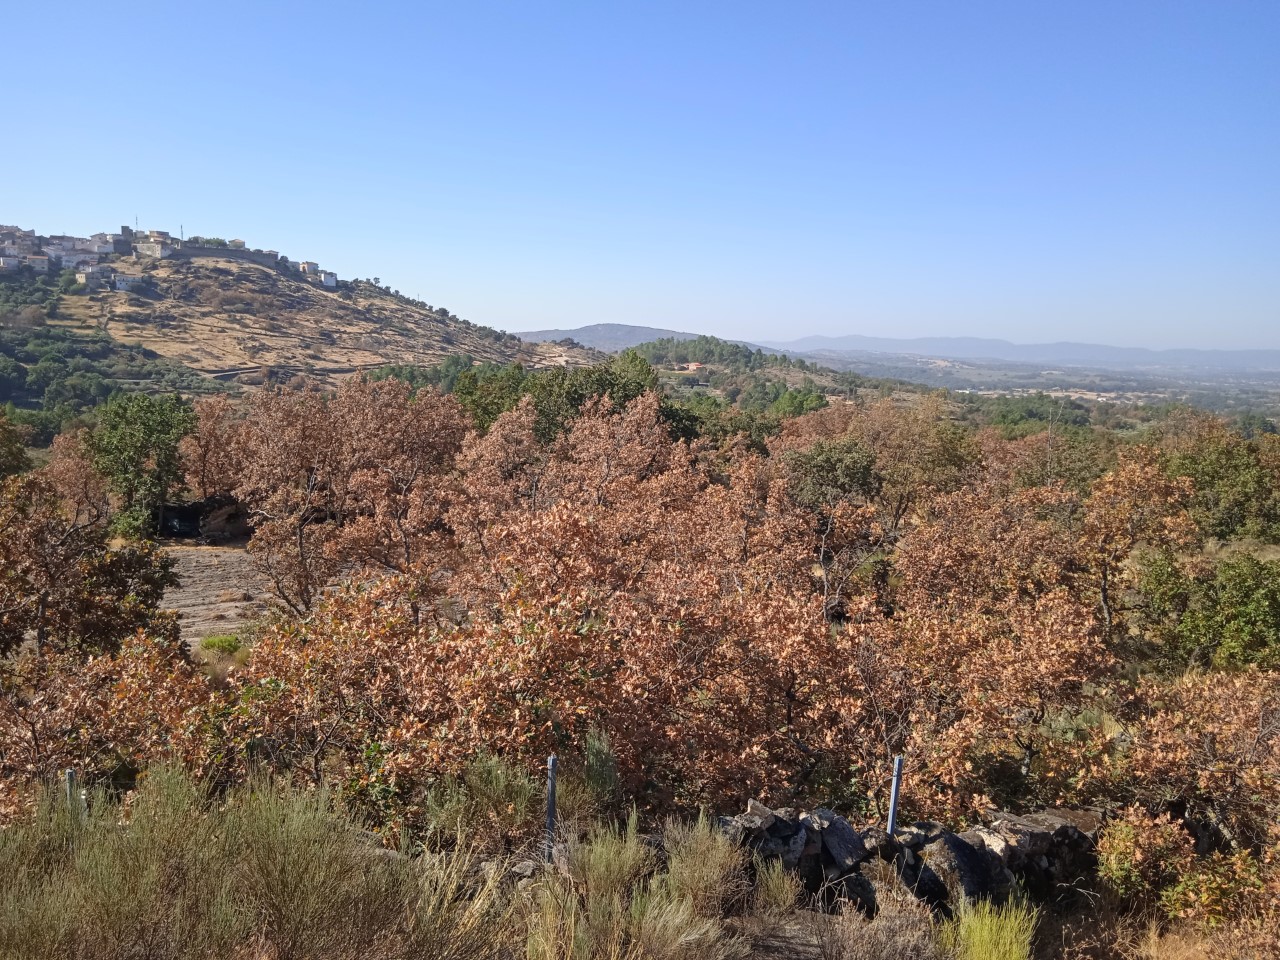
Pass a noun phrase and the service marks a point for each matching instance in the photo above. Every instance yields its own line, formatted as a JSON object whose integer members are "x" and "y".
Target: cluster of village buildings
{"x": 100, "y": 260}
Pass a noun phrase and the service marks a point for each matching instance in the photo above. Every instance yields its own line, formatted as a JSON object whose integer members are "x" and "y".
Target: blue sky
{"x": 1103, "y": 171}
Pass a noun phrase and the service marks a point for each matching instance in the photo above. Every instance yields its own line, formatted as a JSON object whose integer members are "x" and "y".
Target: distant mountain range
{"x": 619, "y": 336}
{"x": 1062, "y": 354}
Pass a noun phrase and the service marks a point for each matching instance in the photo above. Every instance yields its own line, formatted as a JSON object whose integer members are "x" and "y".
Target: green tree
{"x": 13, "y": 377}
{"x": 135, "y": 447}
{"x": 1236, "y": 495}
{"x": 829, "y": 472}
{"x": 13, "y": 451}
{"x": 1227, "y": 615}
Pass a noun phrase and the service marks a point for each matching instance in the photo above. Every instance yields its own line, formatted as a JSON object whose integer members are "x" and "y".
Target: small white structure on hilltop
{"x": 235, "y": 244}
{"x": 328, "y": 278}
{"x": 155, "y": 248}
{"x": 309, "y": 267}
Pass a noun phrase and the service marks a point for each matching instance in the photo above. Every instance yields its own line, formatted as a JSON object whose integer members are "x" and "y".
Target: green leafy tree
{"x": 1236, "y": 495}
{"x": 13, "y": 378}
{"x": 13, "y": 451}
{"x": 832, "y": 471}
{"x": 1226, "y": 615}
{"x": 135, "y": 447}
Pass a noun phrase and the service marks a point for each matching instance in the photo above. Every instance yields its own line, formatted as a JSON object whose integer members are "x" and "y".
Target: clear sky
{"x": 1097, "y": 170}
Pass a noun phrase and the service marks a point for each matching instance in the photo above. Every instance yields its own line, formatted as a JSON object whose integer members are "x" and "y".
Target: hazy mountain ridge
{"x": 619, "y": 336}
{"x": 1060, "y": 353}
{"x": 605, "y": 336}
{"x": 1226, "y": 380}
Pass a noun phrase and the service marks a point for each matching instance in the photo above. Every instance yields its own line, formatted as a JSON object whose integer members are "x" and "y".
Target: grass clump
{"x": 645, "y": 924}
{"x": 600, "y": 770}
{"x": 618, "y": 905}
{"x": 704, "y": 867}
{"x": 983, "y": 931}
{"x": 776, "y": 892}
{"x": 612, "y": 861}
{"x": 491, "y": 804}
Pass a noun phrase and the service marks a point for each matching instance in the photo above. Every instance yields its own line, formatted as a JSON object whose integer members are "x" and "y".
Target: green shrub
{"x": 226, "y": 644}
{"x": 1216, "y": 890}
{"x": 611, "y": 861}
{"x": 600, "y": 769}
{"x": 492, "y": 804}
{"x": 1139, "y": 857}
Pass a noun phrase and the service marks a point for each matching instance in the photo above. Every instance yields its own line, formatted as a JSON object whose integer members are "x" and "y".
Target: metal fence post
{"x": 893, "y": 794}
{"x": 551, "y": 807}
{"x": 75, "y": 796}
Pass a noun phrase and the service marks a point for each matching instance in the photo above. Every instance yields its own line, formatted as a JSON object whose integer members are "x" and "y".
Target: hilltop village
{"x": 114, "y": 260}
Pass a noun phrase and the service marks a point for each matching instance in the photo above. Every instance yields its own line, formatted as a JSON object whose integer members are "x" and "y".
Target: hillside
{"x": 1222, "y": 380}
{"x": 234, "y": 320}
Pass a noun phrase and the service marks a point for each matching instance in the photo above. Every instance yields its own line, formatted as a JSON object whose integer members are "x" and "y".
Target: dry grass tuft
{"x": 704, "y": 867}
{"x": 983, "y": 931}
{"x": 902, "y": 929}
{"x": 776, "y": 893}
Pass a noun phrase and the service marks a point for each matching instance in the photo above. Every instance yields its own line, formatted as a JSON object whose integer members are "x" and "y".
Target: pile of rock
{"x": 1044, "y": 852}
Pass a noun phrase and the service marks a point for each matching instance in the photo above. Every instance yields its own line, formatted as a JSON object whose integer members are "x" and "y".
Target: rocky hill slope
{"x": 239, "y": 321}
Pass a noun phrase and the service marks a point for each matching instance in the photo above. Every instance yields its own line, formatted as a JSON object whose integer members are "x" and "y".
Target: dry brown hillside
{"x": 232, "y": 320}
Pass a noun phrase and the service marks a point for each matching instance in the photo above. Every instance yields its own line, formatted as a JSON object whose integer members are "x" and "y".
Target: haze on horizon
{"x": 1091, "y": 172}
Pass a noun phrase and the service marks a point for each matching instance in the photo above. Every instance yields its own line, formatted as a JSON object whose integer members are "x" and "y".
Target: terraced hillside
{"x": 238, "y": 321}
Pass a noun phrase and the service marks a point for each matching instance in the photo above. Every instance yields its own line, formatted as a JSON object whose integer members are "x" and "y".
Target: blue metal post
{"x": 893, "y": 794}
{"x": 551, "y": 807}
